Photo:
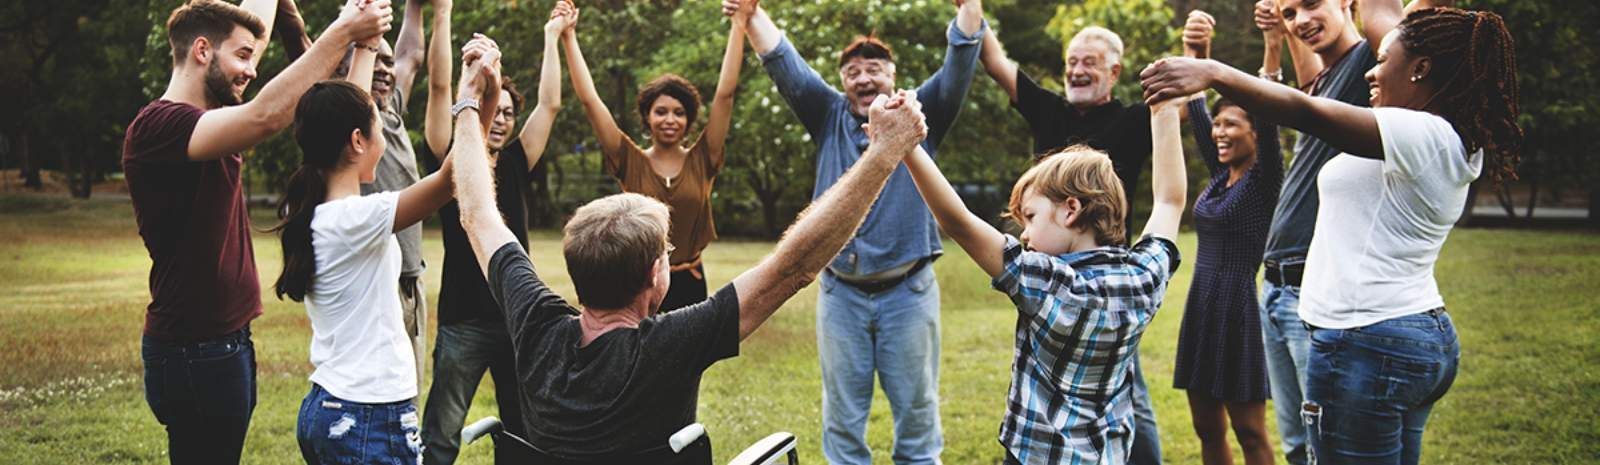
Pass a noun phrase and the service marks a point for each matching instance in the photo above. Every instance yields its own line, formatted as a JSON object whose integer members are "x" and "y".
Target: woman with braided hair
{"x": 1444, "y": 104}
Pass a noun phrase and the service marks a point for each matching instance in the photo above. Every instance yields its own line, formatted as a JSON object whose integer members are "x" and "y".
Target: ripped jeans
{"x": 332, "y": 430}
{"x": 1369, "y": 390}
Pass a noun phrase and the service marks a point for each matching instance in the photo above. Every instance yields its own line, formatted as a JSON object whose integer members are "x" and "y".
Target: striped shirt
{"x": 1079, "y": 318}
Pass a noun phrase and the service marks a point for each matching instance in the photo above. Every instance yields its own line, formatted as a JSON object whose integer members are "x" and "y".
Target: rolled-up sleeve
{"x": 942, "y": 94}
{"x": 805, "y": 91}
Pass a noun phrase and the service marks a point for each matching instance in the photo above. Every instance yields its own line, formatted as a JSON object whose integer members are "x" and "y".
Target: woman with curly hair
{"x": 1444, "y": 105}
{"x": 678, "y": 173}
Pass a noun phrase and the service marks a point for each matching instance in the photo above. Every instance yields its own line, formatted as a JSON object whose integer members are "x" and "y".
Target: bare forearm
{"x": 291, "y": 30}
{"x": 1168, "y": 180}
{"x": 474, "y": 189}
{"x": 814, "y": 239}
{"x": 998, "y": 65}
{"x": 605, "y": 127}
{"x": 969, "y": 17}
{"x": 361, "y": 63}
{"x": 536, "y": 132}
{"x": 420, "y": 200}
{"x": 764, "y": 34}
{"x": 408, "y": 49}
{"x": 727, "y": 87}
{"x": 436, "y": 123}
{"x": 982, "y": 242}
{"x": 267, "y": 12}
{"x": 1272, "y": 55}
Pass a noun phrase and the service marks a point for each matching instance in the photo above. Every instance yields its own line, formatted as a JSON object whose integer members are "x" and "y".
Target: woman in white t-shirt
{"x": 1444, "y": 97}
{"x": 341, "y": 258}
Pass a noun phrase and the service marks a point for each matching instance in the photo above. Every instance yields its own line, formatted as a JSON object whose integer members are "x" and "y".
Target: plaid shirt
{"x": 1080, "y": 316}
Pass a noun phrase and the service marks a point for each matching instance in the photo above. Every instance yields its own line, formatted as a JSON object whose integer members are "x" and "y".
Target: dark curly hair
{"x": 674, "y": 86}
{"x": 1476, "y": 63}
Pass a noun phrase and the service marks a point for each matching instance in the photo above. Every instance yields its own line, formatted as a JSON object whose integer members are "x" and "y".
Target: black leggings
{"x": 686, "y": 289}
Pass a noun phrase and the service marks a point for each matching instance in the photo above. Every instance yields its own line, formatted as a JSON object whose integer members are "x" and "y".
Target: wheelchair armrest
{"x": 767, "y": 451}
{"x": 686, "y": 436}
{"x": 480, "y": 428}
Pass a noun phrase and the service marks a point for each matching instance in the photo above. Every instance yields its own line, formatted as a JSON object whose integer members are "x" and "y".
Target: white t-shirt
{"x": 358, "y": 341}
{"x": 1382, "y": 222}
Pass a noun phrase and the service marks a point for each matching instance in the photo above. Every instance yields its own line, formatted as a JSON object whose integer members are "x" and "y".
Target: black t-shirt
{"x": 1123, "y": 132}
{"x": 629, "y": 389}
{"x": 463, "y": 294}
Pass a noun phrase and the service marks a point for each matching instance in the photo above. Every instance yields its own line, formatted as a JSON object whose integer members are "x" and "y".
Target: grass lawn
{"x": 73, "y": 291}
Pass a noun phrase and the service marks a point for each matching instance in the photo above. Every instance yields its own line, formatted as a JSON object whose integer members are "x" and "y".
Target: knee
{"x": 1210, "y": 431}
{"x": 1251, "y": 435}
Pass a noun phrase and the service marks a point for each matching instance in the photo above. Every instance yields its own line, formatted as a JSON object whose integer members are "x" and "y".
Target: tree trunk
{"x": 769, "y": 213}
{"x": 1503, "y": 194}
{"x": 1533, "y": 198}
{"x": 29, "y": 166}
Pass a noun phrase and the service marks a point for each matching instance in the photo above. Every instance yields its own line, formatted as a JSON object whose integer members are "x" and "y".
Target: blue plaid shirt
{"x": 1080, "y": 316}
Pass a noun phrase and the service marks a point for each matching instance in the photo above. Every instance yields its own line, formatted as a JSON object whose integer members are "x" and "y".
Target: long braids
{"x": 1475, "y": 58}
{"x": 323, "y": 120}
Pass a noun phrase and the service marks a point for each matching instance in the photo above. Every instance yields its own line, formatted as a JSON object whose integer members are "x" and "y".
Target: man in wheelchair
{"x": 610, "y": 383}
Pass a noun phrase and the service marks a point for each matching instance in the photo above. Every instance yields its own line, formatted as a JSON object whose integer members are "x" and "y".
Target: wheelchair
{"x": 688, "y": 446}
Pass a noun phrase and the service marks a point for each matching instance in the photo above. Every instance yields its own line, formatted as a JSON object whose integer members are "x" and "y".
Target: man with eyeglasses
{"x": 878, "y": 309}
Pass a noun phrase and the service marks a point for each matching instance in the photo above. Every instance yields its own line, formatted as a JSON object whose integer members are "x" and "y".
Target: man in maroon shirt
{"x": 181, "y": 159}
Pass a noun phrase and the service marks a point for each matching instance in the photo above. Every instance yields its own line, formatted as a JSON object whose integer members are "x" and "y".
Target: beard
{"x": 219, "y": 89}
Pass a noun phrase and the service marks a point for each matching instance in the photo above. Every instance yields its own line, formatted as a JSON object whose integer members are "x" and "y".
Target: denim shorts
{"x": 336, "y": 431}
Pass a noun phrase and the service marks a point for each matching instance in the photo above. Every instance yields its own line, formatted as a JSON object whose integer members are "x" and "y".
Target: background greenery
{"x": 76, "y": 71}
{"x": 72, "y": 297}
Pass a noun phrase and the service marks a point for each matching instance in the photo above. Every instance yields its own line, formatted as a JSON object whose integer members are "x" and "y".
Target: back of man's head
{"x": 611, "y": 246}
{"x": 212, "y": 19}
{"x": 1083, "y": 173}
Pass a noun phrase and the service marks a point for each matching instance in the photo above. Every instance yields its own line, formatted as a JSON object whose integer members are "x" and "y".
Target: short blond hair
{"x": 611, "y": 245}
{"x": 1102, "y": 36}
{"x": 1083, "y": 173}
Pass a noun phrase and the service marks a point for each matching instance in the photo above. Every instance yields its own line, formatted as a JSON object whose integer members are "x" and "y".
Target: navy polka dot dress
{"x": 1220, "y": 352}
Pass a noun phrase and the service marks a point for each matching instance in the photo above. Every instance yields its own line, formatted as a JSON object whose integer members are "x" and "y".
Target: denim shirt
{"x": 899, "y": 229}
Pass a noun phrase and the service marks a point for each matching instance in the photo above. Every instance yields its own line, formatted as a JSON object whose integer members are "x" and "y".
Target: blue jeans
{"x": 204, "y": 393}
{"x": 332, "y": 430}
{"x": 461, "y": 353}
{"x": 1287, "y": 351}
{"x": 1369, "y": 390}
{"x": 1146, "y": 435}
{"x": 895, "y": 334}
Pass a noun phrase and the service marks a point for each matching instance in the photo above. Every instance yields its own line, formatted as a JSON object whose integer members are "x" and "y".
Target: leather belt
{"x": 880, "y": 285}
{"x": 1284, "y": 275}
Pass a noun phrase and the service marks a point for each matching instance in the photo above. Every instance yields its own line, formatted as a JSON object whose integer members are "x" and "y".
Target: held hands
{"x": 480, "y": 67}
{"x": 1269, "y": 21}
{"x": 896, "y": 122}
{"x": 364, "y": 19}
{"x": 739, "y": 10}
{"x": 562, "y": 18}
{"x": 1172, "y": 77}
{"x": 1197, "y": 33}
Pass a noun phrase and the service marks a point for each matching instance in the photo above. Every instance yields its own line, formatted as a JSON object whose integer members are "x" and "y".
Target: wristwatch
{"x": 455, "y": 110}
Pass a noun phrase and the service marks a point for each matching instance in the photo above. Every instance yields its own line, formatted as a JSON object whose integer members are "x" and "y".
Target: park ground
{"x": 73, "y": 291}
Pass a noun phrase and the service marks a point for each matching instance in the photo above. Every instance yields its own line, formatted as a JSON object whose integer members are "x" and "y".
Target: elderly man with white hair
{"x": 1087, "y": 114}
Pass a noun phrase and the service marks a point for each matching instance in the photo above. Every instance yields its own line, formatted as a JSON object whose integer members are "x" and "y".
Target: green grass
{"x": 73, "y": 291}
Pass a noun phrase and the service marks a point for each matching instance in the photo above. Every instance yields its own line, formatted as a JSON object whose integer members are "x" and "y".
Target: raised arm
{"x": 1200, "y": 128}
{"x": 291, "y": 30}
{"x": 727, "y": 86}
{"x": 764, "y": 34}
{"x": 425, "y": 197}
{"x": 364, "y": 55}
{"x": 536, "y": 132}
{"x": 943, "y": 93}
{"x": 605, "y": 126}
{"x": 436, "y": 122}
{"x": 233, "y": 129}
{"x": 998, "y": 65}
{"x": 802, "y": 88}
{"x": 1168, "y": 181}
{"x": 408, "y": 49}
{"x": 1378, "y": 17}
{"x": 267, "y": 12}
{"x": 1349, "y": 128}
{"x": 831, "y": 221}
{"x": 982, "y": 241}
{"x": 474, "y": 181}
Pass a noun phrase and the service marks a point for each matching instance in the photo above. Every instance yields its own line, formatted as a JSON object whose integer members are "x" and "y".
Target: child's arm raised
{"x": 983, "y": 242}
{"x": 1168, "y": 181}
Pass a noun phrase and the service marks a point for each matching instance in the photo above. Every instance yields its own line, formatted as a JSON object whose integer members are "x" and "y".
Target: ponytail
{"x": 308, "y": 187}
{"x": 323, "y": 120}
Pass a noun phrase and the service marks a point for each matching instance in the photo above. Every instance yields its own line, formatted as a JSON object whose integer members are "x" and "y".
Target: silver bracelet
{"x": 1275, "y": 76}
